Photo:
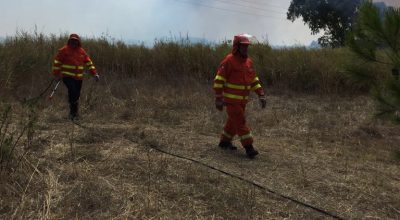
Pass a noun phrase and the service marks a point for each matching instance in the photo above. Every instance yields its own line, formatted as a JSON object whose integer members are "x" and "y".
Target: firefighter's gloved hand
{"x": 96, "y": 77}
{"x": 263, "y": 101}
{"x": 219, "y": 104}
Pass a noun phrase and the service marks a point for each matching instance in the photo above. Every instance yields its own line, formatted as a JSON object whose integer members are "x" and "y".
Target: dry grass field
{"x": 325, "y": 151}
{"x": 319, "y": 143}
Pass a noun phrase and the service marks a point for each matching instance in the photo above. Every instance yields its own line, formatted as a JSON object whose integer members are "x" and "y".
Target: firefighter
{"x": 233, "y": 82}
{"x": 69, "y": 66}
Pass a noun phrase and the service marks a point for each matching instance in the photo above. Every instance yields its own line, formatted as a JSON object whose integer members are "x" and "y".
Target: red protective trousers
{"x": 236, "y": 124}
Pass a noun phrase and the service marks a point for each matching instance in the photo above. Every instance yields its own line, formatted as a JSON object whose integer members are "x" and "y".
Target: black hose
{"x": 320, "y": 210}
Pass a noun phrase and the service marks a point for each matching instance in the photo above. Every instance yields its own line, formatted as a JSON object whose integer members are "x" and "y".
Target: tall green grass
{"x": 26, "y": 58}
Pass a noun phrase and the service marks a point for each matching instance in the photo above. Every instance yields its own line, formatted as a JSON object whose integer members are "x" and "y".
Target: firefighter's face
{"x": 74, "y": 43}
{"x": 243, "y": 49}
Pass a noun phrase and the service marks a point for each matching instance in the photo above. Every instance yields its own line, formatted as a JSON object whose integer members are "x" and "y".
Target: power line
{"x": 252, "y": 7}
{"x": 231, "y": 10}
{"x": 262, "y": 3}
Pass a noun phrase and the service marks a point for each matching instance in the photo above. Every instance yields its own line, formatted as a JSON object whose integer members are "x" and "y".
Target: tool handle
{"x": 54, "y": 90}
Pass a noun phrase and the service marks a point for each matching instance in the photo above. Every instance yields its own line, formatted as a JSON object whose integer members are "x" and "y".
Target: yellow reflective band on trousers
{"x": 255, "y": 80}
{"x": 232, "y": 96}
{"x": 234, "y": 86}
{"x": 256, "y": 87}
{"x": 246, "y": 136}
{"x": 71, "y": 67}
{"x": 218, "y": 77}
{"x": 72, "y": 74}
{"x": 92, "y": 68}
{"x": 89, "y": 63}
{"x": 218, "y": 86}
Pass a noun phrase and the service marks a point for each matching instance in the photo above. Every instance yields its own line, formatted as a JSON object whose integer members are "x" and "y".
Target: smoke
{"x": 138, "y": 20}
{"x": 393, "y": 3}
{"x": 220, "y": 20}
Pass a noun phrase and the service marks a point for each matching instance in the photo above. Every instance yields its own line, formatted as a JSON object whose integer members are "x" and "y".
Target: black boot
{"x": 227, "y": 145}
{"x": 250, "y": 151}
{"x": 73, "y": 117}
{"x": 73, "y": 113}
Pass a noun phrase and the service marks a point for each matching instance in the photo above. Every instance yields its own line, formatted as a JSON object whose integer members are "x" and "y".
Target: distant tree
{"x": 376, "y": 39}
{"x": 332, "y": 16}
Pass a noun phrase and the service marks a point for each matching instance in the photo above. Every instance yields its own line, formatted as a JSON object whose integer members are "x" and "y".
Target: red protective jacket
{"x": 71, "y": 62}
{"x": 235, "y": 79}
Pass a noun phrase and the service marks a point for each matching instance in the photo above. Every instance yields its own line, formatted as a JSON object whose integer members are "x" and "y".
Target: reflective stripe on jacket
{"x": 72, "y": 62}
{"x": 235, "y": 79}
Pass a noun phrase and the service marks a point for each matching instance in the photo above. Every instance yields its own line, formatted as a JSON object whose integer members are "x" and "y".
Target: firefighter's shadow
{"x": 218, "y": 153}
{"x": 228, "y": 154}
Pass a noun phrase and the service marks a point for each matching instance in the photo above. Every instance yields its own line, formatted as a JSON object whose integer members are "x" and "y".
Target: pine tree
{"x": 375, "y": 38}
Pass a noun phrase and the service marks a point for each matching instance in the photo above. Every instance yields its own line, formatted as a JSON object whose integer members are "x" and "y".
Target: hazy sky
{"x": 146, "y": 20}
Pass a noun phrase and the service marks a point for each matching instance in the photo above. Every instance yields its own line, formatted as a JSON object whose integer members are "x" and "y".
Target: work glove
{"x": 219, "y": 104}
{"x": 96, "y": 77}
{"x": 263, "y": 101}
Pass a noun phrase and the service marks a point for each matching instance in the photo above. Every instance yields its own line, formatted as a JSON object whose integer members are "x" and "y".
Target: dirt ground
{"x": 325, "y": 151}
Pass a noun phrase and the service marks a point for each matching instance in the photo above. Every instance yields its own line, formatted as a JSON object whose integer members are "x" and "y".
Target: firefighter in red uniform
{"x": 232, "y": 84}
{"x": 69, "y": 65}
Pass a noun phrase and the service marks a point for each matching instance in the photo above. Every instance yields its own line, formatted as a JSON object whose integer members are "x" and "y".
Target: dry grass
{"x": 327, "y": 151}
{"x": 295, "y": 69}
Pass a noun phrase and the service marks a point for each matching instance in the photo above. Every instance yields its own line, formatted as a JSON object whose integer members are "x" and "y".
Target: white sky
{"x": 146, "y": 20}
